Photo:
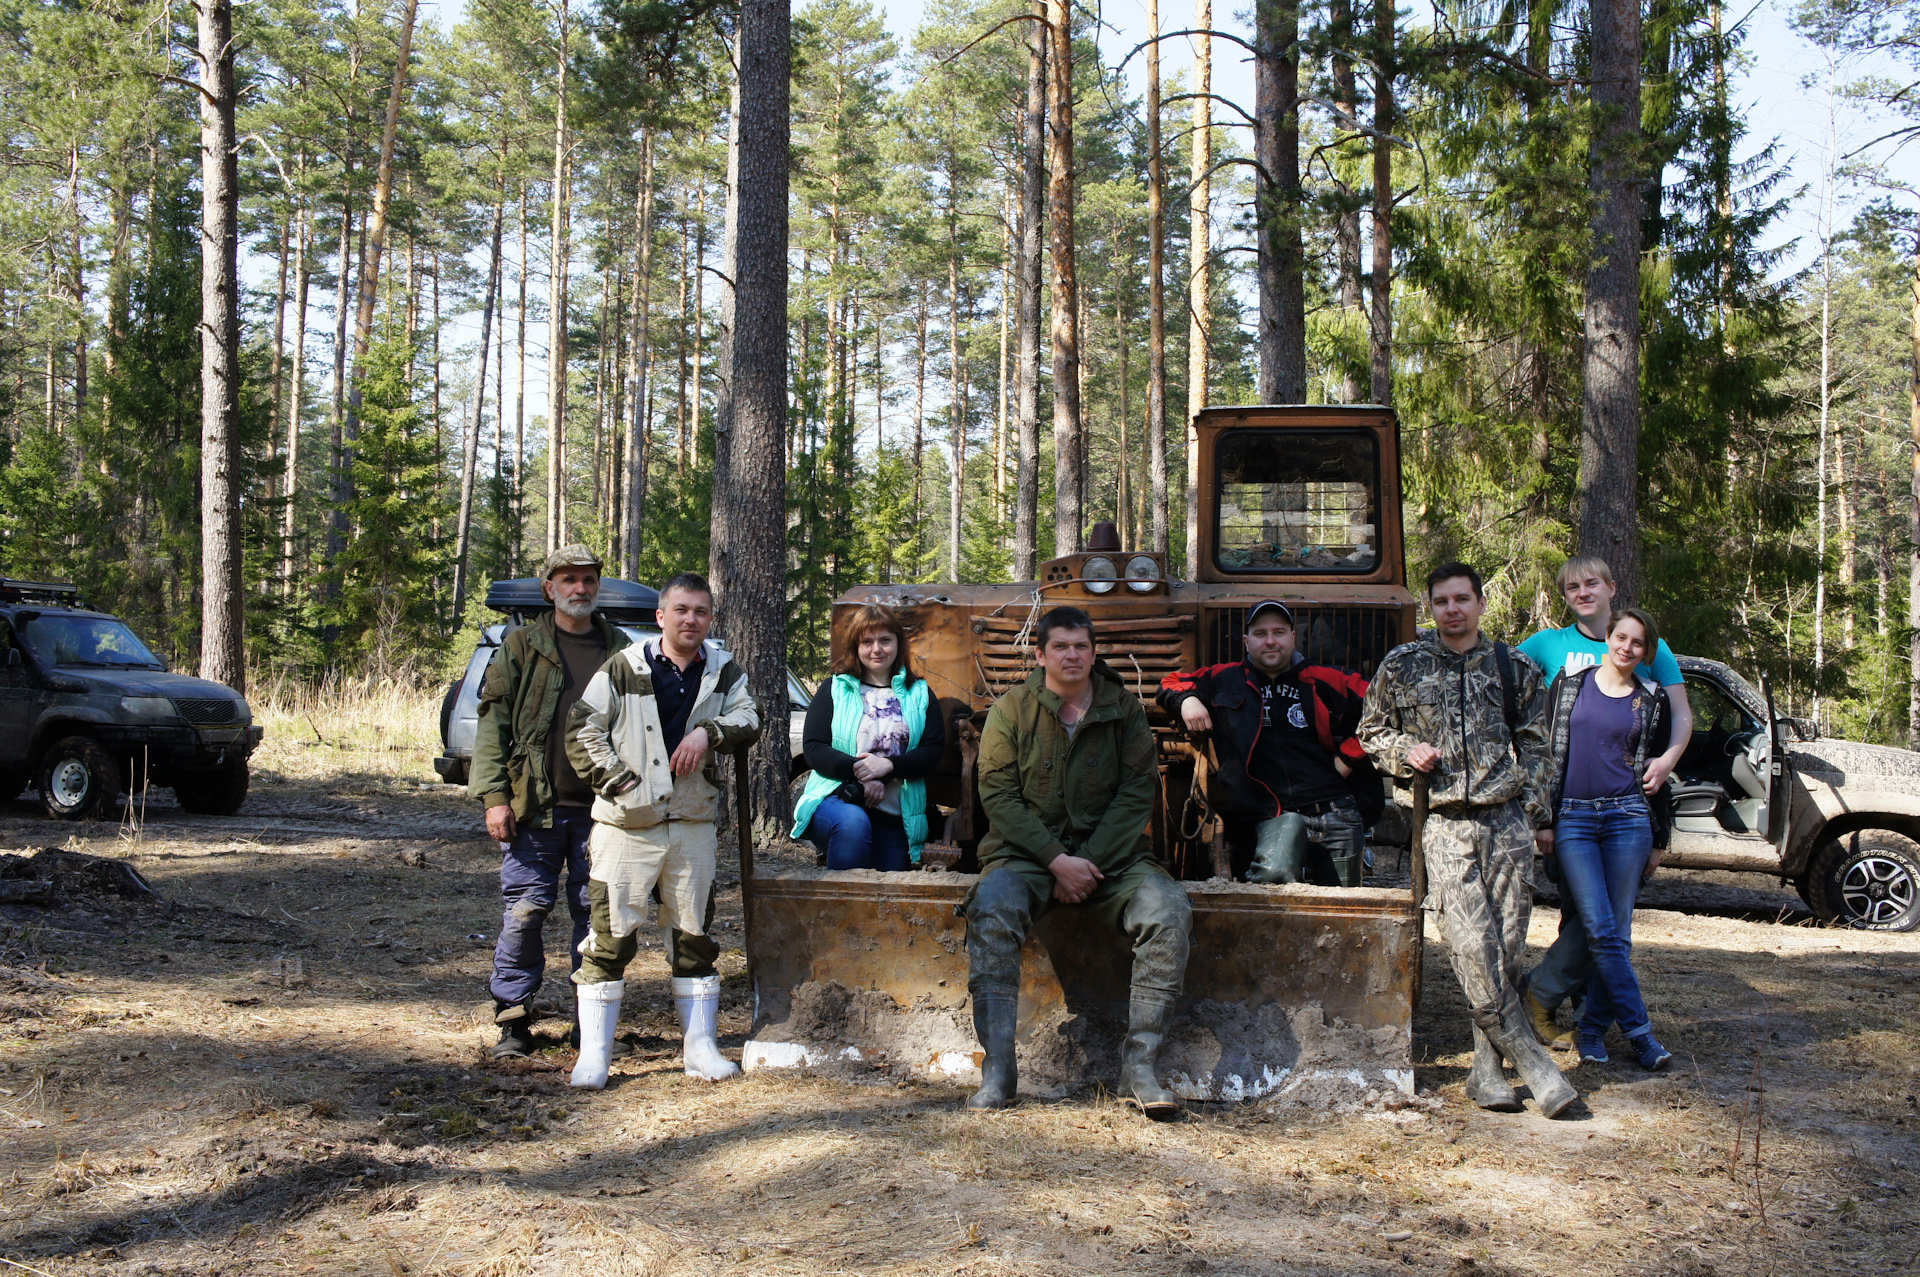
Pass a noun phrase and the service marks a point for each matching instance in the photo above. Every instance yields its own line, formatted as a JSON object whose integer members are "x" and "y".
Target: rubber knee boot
{"x": 1514, "y": 1037}
{"x": 599, "y": 1013}
{"x": 1147, "y": 1020}
{"x": 1279, "y": 849}
{"x": 1349, "y": 869}
{"x": 994, "y": 1020}
{"x": 1487, "y": 1085}
{"x": 697, "y": 1000}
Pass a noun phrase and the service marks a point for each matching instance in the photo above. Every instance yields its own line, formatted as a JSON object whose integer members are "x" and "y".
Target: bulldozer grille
{"x": 1354, "y": 638}
{"x": 1141, "y": 651}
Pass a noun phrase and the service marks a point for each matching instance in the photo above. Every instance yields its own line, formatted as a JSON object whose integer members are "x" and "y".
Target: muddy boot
{"x": 1514, "y": 1037}
{"x": 1350, "y": 869}
{"x": 995, "y": 1017}
{"x": 1487, "y": 1085}
{"x": 1541, "y": 1017}
{"x": 516, "y": 1030}
{"x": 697, "y": 999}
{"x": 1279, "y": 849}
{"x": 599, "y": 1013}
{"x": 1147, "y": 1020}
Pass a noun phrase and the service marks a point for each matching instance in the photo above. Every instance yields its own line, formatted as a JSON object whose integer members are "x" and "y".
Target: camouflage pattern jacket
{"x": 1424, "y": 691}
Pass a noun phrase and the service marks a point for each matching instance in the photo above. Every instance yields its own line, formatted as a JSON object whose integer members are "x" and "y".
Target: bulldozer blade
{"x": 1286, "y": 986}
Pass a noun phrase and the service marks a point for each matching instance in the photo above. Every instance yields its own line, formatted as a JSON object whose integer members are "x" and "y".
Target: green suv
{"x": 88, "y": 712}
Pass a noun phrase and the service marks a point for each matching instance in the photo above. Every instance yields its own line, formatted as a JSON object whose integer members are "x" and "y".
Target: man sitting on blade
{"x": 1068, "y": 778}
{"x": 1295, "y": 788}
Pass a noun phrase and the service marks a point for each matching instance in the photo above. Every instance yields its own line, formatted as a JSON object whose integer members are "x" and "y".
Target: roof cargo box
{"x": 620, "y": 601}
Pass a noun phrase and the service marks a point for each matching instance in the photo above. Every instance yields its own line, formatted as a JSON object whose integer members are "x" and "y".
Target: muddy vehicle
{"x": 88, "y": 712}
{"x": 1286, "y": 984}
{"x": 1759, "y": 792}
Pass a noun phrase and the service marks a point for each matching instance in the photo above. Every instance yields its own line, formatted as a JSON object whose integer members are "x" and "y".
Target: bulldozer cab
{"x": 1296, "y": 503}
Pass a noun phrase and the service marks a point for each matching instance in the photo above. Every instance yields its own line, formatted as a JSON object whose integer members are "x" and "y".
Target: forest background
{"x": 529, "y": 224}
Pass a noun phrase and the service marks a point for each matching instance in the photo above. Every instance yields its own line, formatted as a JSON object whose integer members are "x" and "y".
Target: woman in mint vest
{"x": 873, "y": 733}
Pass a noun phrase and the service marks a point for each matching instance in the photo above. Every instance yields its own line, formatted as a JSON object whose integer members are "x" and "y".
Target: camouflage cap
{"x": 570, "y": 556}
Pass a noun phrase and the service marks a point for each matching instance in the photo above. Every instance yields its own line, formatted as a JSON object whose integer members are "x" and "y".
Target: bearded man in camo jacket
{"x": 1470, "y": 714}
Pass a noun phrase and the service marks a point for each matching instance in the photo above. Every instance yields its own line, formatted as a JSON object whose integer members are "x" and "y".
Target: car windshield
{"x": 97, "y": 641}
{"x": 1292, "y": 501}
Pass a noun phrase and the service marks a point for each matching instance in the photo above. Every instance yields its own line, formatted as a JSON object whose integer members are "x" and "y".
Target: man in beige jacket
{"x": 645, "y": 735}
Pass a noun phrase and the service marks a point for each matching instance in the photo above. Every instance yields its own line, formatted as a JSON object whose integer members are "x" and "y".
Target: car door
{"x": 17, "y": 699}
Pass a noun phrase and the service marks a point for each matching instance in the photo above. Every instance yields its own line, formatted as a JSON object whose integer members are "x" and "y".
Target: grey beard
{"x": 577, "y": 611}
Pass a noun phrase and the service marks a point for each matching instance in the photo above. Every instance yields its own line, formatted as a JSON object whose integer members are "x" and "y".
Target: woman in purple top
{"x": 1607, "y": 722}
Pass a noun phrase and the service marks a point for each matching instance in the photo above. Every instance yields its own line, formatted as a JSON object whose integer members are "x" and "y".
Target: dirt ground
{"x": 277, "y": 1066}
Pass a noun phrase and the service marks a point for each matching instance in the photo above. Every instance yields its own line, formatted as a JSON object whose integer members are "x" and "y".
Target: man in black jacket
{"x": 1295, "y": 788}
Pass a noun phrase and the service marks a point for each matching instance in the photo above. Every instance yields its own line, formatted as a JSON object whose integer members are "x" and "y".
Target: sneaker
{"x": 1593, "y": 1047}
{"x": 1652, "y": 1056}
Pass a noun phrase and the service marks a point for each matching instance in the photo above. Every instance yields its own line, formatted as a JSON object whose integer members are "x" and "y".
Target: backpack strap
{"x": 1509, "y": 697}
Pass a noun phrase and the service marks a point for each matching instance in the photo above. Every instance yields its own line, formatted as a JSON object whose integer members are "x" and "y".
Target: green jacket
{"x": 518, "y": 704}
{"x": 1046, "y": 796}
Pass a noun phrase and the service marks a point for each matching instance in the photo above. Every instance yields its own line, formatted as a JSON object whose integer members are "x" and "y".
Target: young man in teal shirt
{"x": 1586, "y": 583}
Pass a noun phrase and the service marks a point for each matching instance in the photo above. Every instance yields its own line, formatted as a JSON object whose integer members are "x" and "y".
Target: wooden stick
{"x": 743, "y": 817}
{"x": 1417, "y": 848}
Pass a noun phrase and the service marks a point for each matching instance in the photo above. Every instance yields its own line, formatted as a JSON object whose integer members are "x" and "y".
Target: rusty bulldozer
{"x": 1288, "y": 987}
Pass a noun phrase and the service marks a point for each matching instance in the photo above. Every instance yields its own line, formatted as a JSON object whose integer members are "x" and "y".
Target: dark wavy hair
{"x": 864, "y": 621}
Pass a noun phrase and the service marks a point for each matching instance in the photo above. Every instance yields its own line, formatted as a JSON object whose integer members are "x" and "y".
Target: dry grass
{"x": 373, "y": 724}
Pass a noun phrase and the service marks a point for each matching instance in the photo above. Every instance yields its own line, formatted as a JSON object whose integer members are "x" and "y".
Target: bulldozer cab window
{"x": 1292, "y": 501}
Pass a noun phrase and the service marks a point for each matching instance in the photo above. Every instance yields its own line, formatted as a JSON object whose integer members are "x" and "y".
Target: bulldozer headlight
{"x": 1100, "y": 575}
{"x": 1143, "y": 574}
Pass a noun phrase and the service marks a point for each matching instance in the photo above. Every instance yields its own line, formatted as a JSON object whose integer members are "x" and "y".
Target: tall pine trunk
{"x": 469, "y": 464}
{"x": 1283, "y": 298}
{"x": 753, "y": 593}
{"x": 1380, "y": 320}
{"x": 1033, "y": 183}
{"x": 1346, "y": 222}
{"x": 296, "y": 395}
{"x": 1199, "y": 267}
{"x": 222, "y": 647}
{"x": 557, "y": 307}
{"x": 376, "y": 229}
{"x": 636, "y": 458}
{"x": 1610, "y": 416}
{"x": 1156, "y": 293}
{"x": 1069, "y": 439}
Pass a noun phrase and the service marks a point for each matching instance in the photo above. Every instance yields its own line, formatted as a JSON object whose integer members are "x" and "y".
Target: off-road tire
{"x": 447, "y": 702}
{"x": 79, "y": 780}
{"x": 1868, "y": 880}
{"x": 220, "y": 792}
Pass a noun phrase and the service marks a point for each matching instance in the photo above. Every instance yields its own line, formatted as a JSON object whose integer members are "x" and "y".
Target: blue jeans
{"x": 858, "y": 837}
{"x": 1602, "y": 845}
{"x": 530, "y": 883}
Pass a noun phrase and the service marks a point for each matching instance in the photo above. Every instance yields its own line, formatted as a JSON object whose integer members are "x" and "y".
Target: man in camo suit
{"x": 1471, "y": 715}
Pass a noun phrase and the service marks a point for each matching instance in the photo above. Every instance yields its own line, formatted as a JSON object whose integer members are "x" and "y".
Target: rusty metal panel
{"x": 1285, "y": 985}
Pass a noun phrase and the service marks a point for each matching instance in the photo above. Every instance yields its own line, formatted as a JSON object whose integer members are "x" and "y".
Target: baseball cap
{"x": 1262, "y": 606}
{"x": 570, "y": 556}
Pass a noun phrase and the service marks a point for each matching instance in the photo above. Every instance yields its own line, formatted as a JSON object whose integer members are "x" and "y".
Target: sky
{"x": 1783, "y": 89}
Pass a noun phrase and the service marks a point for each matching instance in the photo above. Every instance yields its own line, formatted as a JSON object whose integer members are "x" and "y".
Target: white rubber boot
{"x": 599, "y": 1015}
{"x": 697, "y": 999}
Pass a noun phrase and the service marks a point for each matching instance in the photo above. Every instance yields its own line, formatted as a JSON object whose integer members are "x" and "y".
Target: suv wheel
{"x": 79, "y": 779}
{"x": 1869, "y": 880}
{"x": 220, "y": 792}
